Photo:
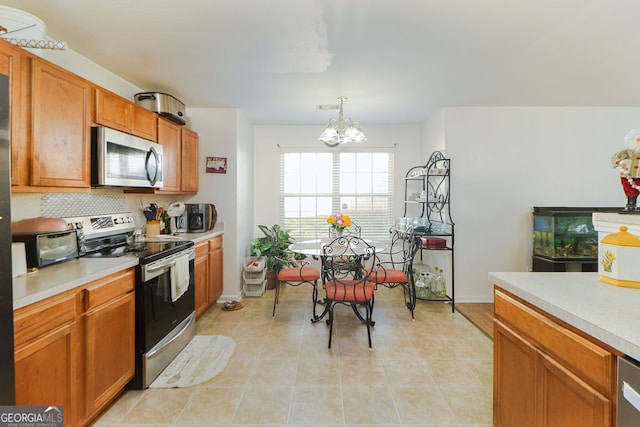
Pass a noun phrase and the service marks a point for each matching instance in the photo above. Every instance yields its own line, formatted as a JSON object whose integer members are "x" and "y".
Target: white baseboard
{"x": 474, "y": 299}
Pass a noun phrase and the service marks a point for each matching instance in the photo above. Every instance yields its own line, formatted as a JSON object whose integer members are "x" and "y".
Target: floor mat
{"x": 202, "y": 359}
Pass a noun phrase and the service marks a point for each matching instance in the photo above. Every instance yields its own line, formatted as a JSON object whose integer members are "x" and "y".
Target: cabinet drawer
{"x": 35, "y": 320}
{"x": 585, "y": 358}
{"x": 215, "y": 243}
{"x": 108, "y": 289}
{"x": 202, "y": 249}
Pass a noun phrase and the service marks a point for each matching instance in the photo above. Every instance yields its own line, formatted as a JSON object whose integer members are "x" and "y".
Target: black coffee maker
{"x": 201, "y": 217}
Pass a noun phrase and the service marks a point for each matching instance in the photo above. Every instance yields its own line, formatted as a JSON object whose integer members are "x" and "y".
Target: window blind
{"x": 315, "y": 184}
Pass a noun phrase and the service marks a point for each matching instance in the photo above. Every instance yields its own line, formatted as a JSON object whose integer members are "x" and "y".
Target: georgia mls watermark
{"x": 31, "y": 416}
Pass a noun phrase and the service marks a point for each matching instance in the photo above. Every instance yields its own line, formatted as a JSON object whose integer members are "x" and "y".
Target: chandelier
{"x": 341, "y": 131}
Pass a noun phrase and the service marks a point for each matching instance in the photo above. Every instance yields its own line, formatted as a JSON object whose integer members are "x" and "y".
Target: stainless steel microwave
{"x": 119, "y": 159}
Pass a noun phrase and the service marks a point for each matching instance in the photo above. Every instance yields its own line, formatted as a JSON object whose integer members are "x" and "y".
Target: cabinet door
{"x": 45, "y": 372}
{"x": 514, "y": 379}
{"x": 61, "y": 132}
{"x": 567, "y": 401}
{"x": 109, "y": 338}
{"x": 169, "y": 136}
{"x": 189, "y": 165}
{"x": 202, "y": 278}
{"x": 16, "y": 65}
{"x": 46, "y": 356}
{"x": 113, "y": 111}
{"x": 216, "y": 268}
{"x": 109, "y": 347}
{"x": 145, "y": 123}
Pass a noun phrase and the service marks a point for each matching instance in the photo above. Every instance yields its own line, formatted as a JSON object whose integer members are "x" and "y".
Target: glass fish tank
{"x": 566, "y": 233}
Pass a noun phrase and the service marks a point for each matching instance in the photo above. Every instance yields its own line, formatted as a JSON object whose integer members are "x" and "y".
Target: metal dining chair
{"x": 298, "y": 273}
{"x": 347, "y": 265}
{"x": 395, "y": 268}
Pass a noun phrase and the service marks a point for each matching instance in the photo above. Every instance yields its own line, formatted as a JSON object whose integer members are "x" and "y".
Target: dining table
{"x": 315, "y": 248}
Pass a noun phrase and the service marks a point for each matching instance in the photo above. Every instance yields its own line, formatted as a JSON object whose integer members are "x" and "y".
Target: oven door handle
{"x": 161, "y": 266}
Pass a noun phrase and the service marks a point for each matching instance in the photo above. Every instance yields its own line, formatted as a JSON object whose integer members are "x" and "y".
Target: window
{"x": 314, "y": 185}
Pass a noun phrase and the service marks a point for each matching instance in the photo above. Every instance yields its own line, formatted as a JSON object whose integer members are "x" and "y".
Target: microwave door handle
{"x": 154, "y": 178}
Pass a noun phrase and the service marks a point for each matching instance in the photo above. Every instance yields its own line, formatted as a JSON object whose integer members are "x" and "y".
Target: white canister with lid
{"x": 618, "y": 255}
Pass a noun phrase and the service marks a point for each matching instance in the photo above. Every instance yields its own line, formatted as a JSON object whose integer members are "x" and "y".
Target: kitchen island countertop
{"x": 608, "y": 313}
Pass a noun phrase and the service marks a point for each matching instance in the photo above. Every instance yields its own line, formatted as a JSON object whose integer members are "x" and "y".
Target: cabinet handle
{"x": 631, "y": 395}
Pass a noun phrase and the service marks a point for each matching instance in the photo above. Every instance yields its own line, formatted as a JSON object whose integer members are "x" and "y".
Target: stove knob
{"x": 118, "y": 221}
{"x": 78, "y": 225}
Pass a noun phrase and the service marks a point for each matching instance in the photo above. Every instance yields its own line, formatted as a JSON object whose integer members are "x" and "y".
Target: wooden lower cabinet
{"x": 546, "y": 374}
{"x": 208, "y": 271}
{"x": 216, "y": 267}
{"x": 201, "y": 279}
{"x": 514, "y": 381}
{"x": 109, "y": 339}
{"x": 47, "y": 366}
{"x": 46, "y": 359}
{"x": 76, "y": 350}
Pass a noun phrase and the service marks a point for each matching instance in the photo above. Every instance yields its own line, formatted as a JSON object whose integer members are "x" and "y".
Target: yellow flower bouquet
{"x": 339, "y": 222}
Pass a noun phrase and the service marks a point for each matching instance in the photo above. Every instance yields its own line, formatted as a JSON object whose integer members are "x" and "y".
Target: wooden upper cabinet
{"x": 145, "y": 123}
{"x": 50, "y": 124}
{"x": 16, "y": 65}
{"x": 169, "y": 136}
{"x": 180, "y": 158}
{"x": 190, "y": 144}
{"x": 121, "y": 114}
{"x": 61, "y": 132}
{"x": 113, "y": 111}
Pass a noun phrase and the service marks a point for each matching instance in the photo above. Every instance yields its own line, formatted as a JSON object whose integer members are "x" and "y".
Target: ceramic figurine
{"x": 628, "y": 160}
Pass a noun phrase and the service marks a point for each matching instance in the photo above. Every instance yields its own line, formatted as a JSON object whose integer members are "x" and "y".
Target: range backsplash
{"x": 60, "y": 205}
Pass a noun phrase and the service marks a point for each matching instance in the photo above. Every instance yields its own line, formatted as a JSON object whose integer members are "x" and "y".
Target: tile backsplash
{"x": 61, "y": 205}
{"x": 97, "y": 202}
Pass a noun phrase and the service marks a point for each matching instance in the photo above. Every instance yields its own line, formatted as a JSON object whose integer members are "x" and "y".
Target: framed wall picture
{"x": 216, "y": 165}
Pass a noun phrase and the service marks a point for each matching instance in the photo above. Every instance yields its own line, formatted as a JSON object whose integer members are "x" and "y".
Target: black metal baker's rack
{"x": 430, "y": 210}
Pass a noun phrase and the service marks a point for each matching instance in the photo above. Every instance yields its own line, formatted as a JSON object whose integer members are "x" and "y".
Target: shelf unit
{"x": 427, "y": 202}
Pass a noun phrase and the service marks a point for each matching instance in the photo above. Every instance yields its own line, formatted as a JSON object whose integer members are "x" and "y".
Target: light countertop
{"x": 55, "y": 279}
{"x": 608, "y": 313}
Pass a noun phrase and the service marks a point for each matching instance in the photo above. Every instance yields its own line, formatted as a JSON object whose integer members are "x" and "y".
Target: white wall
{"x": 505, "y": 160}
{"x": 225, "y": 132}
{"x": 405, "y": 138}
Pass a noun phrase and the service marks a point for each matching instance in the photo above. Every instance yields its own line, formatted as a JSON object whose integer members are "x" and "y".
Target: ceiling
{"x": 397, "y": 61}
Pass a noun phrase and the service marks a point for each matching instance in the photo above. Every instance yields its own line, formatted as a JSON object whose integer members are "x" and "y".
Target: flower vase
{"x": 339, "y": 232}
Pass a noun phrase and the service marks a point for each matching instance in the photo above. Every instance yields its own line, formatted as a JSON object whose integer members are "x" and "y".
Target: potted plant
{"x": 275, "y": 246}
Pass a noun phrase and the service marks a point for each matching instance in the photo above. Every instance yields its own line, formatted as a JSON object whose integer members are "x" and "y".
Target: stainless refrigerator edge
{"x": 7, "y": 366}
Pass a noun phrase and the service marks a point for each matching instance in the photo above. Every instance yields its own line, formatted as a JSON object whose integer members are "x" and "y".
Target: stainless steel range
{"x": 165, "y": 304}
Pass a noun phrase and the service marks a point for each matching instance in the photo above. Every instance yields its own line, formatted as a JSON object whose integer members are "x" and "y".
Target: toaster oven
{"x": 42, "y": 249}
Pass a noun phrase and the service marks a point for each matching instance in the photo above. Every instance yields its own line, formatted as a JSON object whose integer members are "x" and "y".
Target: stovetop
{"x": 108, "y": 235}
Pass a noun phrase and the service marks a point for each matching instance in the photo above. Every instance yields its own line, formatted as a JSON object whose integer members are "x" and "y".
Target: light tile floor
{"x": 436, "y": 371}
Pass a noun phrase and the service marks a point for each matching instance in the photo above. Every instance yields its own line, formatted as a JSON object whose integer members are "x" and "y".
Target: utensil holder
{"x": 153, "y": 228}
